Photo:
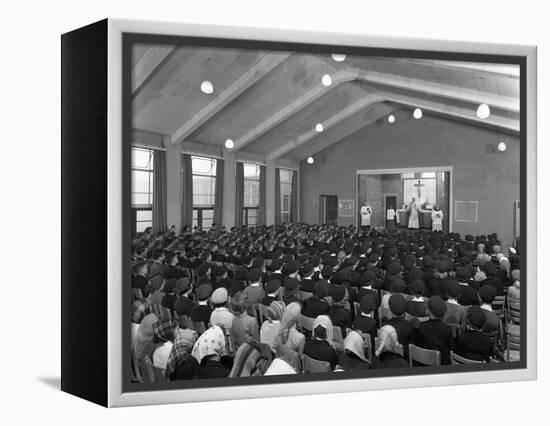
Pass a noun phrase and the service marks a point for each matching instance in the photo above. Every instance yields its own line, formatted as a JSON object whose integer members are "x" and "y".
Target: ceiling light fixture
{"x": 501, "y": 146}
{"x": 319, "y": 127}
{"x": 338, "y": 57}
{"x": 310, "y": 160}
{"x": 391, "y": 119}
{"x": 417, "y": 113}
{"x": 326, "y": 80}
{"x": 483, "y": 111}
{"x": 229, "y": 144}
{"x": 207, "y": 87}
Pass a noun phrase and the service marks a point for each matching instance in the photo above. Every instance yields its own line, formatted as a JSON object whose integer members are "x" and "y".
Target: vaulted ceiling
{"x": 268, "y": 102}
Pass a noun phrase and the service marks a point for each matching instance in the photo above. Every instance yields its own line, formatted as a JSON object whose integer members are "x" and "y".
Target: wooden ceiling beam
{"x": 263, "y": 67}
{"x": 146, "y": 66}
{"x": 331, "y": 123}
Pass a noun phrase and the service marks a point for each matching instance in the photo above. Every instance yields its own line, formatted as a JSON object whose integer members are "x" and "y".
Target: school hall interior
{"x": 281, "y": 198}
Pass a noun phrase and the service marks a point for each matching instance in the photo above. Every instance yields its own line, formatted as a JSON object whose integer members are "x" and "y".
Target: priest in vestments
{"x": 413, "y": 215}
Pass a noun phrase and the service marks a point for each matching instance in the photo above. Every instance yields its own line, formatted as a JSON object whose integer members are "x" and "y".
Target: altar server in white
{"x": 437, "y": 219}
{"x": 366, "y": 212}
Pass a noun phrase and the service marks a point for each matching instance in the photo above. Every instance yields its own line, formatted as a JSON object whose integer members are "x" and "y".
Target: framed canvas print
{"x": 251, "y": 213}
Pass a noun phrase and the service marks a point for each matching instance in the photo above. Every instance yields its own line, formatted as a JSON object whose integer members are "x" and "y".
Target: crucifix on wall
{"x": 418, "y": 186}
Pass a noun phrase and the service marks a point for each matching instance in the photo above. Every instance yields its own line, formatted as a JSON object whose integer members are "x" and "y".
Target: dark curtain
{"x": 218, "y": 197}
{"x": 159, "y": 191}
{"x": 187, "y": 189}
{"x": 239, "y": 193}
{"x": 294, "y": 198}
{"x": 277, "y": 196}
{"x": 262, "y": 206}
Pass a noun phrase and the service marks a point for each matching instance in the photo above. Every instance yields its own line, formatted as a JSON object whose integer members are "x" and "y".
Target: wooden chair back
{"x": 498, "y": 306}
{"x": 455, "y": 329}
{"x": 310, "y": 365}
{"x": 423, "y": 356}
{"x": 459, "y": 360}
{"x": 367, "y": 342}
{"x": 136, "y": 294}
{"x": 513, "y": 312}
{"x": 198, "y": 326}
{"x": 184, "y": 320}
{"x": 513, "y": 342}
{"x": 262, "y": 312}
{"x": 338, "y": 338}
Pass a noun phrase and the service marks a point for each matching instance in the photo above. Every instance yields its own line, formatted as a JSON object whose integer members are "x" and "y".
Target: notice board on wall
{"x": 346, "y": 208}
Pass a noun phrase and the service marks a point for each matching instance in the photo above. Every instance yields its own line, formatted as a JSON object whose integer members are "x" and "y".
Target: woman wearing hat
{"x": 221, "y": 315}
{"x": 434, "y": 334}
{"x": 270, "y": 327}
{"x": 473, "y": 343}
{"x": 317, "y": 305}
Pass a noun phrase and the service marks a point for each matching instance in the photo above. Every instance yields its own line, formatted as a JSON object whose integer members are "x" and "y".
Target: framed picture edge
{"x": 115, "y": 394}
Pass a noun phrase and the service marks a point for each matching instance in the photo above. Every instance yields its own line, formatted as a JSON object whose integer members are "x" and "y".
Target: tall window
{"x": 251, "y": 194}
{"x": 142, "y": 188}
{"x": 204, "y": 191}
{"x": 286, "y": 193}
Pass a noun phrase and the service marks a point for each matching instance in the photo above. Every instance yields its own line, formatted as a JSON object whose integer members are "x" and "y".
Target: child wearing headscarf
{"x": 165, "y": 331}
{"x": 208, "y": 351}
{"x": 386, "y": 355}
{"x": 353, "y": 357}
{"x": 320, "y": 346}
{"x": 181, "y": 365}
{"x": 289, "y": 336}
{"x": 270, "y": 327}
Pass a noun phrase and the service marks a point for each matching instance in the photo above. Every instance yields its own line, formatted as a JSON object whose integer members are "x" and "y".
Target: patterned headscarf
{"x": 388, "y": 340}
{"x": 325, "y": 322}
{"x": 291, "y": 316}
{"x": 355, "y": 343}
{"x": 181, "y": 351}
{"x": 145, "y": 333}
{"x": 164, "y": 329}
{"x": 211, "y": 342}
{"x": 140, "y": 308}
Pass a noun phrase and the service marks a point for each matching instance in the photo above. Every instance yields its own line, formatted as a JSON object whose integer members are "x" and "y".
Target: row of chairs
{"x": 417, "y": 355}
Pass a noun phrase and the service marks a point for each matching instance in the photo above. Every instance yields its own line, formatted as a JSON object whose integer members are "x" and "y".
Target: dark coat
{"x": 313, "y": 307}
{"x": 340, "y": 317}
{"x": 184, "y": 306}
{"x": 474, "y": 345}
{"x": 435, "y": 335}
{"x": 321, "y": 351}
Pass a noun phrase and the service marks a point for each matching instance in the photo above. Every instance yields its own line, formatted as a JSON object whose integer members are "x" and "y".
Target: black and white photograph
{"x": 315, "y": 213}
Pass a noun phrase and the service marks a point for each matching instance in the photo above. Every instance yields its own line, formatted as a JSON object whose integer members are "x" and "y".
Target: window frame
{"x": 201, "y": 208}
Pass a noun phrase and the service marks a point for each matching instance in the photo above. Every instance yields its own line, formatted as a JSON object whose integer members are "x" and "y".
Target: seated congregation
{"x": 298, "y": 298}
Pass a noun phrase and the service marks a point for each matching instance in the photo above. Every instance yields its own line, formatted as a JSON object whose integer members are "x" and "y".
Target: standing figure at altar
{"x": 413, "y": 215}
{"x": 437, "y": 219}
{"x": 366, "y": 213}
